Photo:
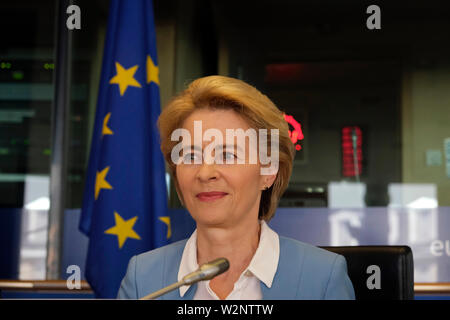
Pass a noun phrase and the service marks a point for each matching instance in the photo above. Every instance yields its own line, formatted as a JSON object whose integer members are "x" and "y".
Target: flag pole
{"x": 59, "y": 134}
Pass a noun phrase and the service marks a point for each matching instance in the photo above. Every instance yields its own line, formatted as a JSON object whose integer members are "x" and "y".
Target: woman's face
{"x": 220, "y": 194}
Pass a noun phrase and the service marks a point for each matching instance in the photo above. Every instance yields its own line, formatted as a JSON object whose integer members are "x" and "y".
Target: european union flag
{"x": 125, "y": 199}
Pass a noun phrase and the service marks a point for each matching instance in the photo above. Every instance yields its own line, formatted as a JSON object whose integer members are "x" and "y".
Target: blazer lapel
{"x": 285, "y": 285}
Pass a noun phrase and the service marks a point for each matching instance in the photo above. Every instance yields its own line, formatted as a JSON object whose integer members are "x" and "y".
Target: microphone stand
{"x": 162, "y": 291}
{"x": 355, "y": 154}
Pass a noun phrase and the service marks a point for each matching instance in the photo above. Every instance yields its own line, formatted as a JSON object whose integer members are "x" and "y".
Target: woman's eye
{"x": 190, "y": 157}
{"x": 228, "y": 156}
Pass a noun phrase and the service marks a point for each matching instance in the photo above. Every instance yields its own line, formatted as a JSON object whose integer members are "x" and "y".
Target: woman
{"x": 231, "y": 197}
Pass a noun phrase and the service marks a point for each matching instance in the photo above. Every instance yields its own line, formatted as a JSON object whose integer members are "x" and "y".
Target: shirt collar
{"x": 263, "y": 264}
{"x": 265, "y": 261}
{"x": 188, "y": 260}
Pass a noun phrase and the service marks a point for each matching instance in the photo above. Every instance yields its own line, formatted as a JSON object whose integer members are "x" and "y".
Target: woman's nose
{"x": 207, "y": 172}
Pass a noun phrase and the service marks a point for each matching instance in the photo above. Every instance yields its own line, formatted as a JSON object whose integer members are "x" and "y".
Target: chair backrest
{"x": 379, "y": 272}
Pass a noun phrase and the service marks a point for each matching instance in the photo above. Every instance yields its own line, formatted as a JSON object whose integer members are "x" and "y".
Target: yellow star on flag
{"x": 166, "y": 220}
{"x": 105, "y": 129}
{"x": 100, "y": 182}
{"x": 152, "y": 71}
{"x": 125, "y": 78}
{"x": 123, "y": 229}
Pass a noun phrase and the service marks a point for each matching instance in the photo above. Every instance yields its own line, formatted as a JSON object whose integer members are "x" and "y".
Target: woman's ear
{"x": 267, "y": 181}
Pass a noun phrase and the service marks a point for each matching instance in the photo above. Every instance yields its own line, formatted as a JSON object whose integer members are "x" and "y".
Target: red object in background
{"x": 348, "y": 161}
{"x": 283, "y": 72}
{"x": 297, "y": 133}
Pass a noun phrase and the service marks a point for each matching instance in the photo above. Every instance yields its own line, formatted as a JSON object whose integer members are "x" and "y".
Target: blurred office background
{"x": 316, "y": 60}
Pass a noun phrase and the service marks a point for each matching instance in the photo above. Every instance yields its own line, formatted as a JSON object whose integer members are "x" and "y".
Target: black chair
{"x": 379, "y": 272}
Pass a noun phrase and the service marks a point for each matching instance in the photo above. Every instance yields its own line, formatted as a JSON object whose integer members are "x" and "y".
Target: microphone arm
{"x": 162, "y": 291}
{"x": 206, "y": 271}
{"x": 355, "y": 153}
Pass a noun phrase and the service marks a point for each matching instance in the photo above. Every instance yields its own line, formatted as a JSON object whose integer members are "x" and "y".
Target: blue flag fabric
{"x": 125, "y": 198}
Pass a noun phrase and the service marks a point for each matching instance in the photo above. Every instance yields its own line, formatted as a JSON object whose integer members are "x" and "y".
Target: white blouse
{"x": 262, "y": 267}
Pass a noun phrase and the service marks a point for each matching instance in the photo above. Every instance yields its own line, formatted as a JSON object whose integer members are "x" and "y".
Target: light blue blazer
{"x": 304, "y": 272}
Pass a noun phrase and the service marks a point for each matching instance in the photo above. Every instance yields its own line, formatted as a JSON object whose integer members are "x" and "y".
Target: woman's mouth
{"x": 211, "y": 196}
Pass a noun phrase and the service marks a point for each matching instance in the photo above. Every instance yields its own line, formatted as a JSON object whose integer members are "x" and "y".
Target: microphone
{"x": 206, "y": 271}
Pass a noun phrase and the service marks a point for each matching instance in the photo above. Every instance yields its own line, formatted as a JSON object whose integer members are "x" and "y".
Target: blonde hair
{"x": 218, "y": 92}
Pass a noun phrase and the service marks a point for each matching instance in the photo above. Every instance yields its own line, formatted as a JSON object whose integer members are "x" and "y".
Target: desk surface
{"x": 61, "y": 286}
